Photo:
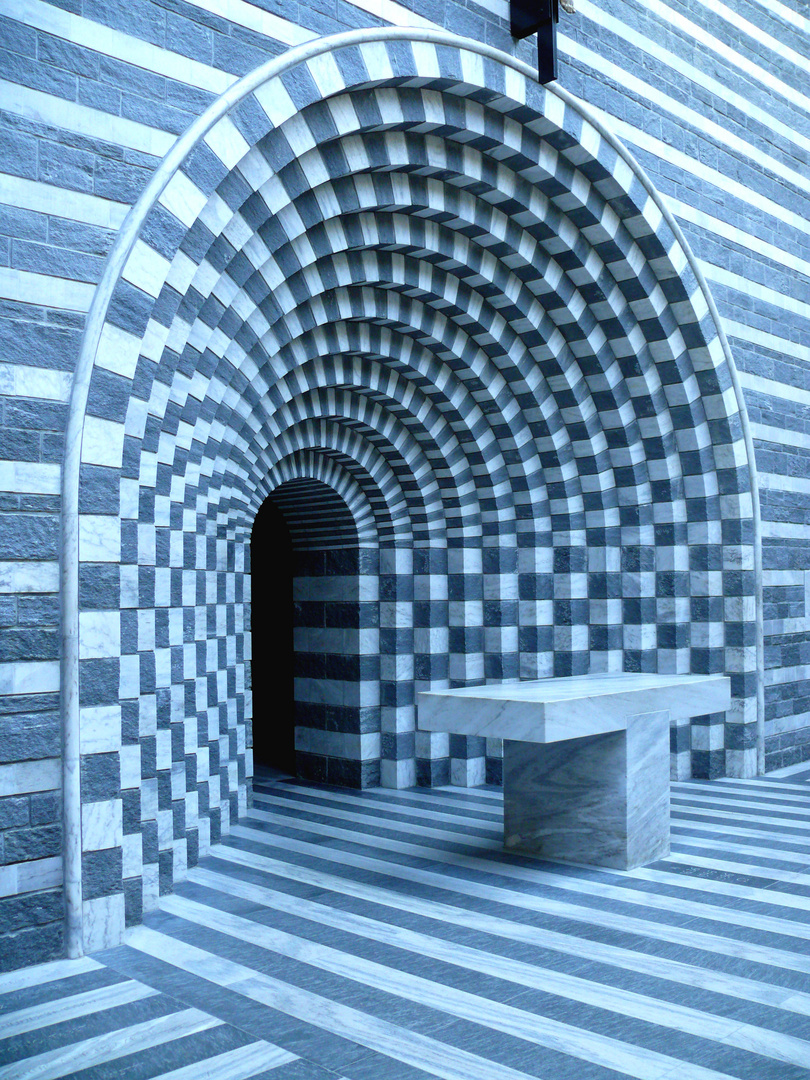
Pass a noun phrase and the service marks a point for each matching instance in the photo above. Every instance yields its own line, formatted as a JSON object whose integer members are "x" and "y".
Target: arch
{"x": 392, "y": 259}
{"x": 355, "y": 519}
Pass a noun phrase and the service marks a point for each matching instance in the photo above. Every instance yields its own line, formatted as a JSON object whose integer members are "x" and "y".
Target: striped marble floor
{"x": 385, "y": 935}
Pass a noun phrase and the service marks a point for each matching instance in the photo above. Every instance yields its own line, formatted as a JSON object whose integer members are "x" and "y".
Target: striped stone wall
{"x": 713, "y": 101}
{"x": 89, "y": 103}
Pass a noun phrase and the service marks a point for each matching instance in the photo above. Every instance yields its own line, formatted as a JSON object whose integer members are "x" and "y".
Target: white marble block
{"x": 599, "y": 799}
{"x": 585, "y": 758}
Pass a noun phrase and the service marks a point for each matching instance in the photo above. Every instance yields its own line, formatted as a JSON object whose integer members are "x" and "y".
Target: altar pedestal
{"x": 585, "y": 758}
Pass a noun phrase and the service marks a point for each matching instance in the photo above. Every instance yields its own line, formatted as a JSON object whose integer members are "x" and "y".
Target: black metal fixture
{"x": 538, "y": 17}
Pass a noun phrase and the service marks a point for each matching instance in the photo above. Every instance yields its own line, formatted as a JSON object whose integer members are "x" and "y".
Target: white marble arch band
{"x": 307, "y": 465}
{"x": 169, "y": 185}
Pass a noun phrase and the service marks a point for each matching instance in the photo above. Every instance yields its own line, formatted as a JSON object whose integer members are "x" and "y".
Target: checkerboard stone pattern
{"x": 412, "y": 281}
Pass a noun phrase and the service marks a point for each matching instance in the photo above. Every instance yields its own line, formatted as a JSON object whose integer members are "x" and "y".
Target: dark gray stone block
{"x": 12, "y": 704}
{"x": 37, "y": 842}
{"x": 18, "y": 38}
{"x": 28, "y": 644}
{"x": 19, "y": 445}
{"x": 32, "y": 946}
{"x": 8, "y": 610}
{"x": 29, "y": 737}
{"x": 143, "y": 20}
{"x": 165, "y": 873}
{"x": 67, "y": 56}
{"x": 119, "y": 181}
{"x": 42, "y": 346}
{"x": 190, "y": 37}
{"x": 66, "y": 166}
{"x": 56, "y": 261}
{"x": 41, "y": 77}
{"x": 37, "y": 415}
{"x": 99, "y": 586}
{"x": 39, "y": 610}
{"x": 26, "y": 224}
{"x": 31, "y": 909}
{"x": 14, "y": 811}
{"x": 101, "y": 777}
{"x": 45, "y": 807}
{"x": 102, "y": 873}
{"x": 128, "y": 77}
{"x": 98, "y": 682}
{"x": 18, "y": 153}
{"x": 99, "y": 96}
{"x": 133, "y": 901}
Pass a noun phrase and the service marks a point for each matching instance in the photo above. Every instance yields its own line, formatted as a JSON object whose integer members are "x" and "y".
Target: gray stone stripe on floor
{"x": 458, "y": 960}
{"x": 648, "y": 923}
{"x": 598, "y": 886}
{"x": 533, "y": 940}
{"x": 334, "y": 936}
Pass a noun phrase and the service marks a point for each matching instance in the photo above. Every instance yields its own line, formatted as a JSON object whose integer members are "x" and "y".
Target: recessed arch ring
{"x": 472, "y": 58}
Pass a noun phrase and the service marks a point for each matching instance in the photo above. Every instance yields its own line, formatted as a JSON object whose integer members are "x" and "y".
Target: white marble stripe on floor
{"x": 633, "y": 1061}
{"x": 676, "y": 971}
{"x": 686, "y": 823}
{"x": 581, "y": 913}
{"x": 720, "y": 821}
{"x": 68, "y": 1008}
{"x": 720, "y": 887}
{"x": 739, "y": 790}
{"x": 738, "y": 866}
{"x": 64, "y": 1060}
{"x": 701, "y": 836}
{"x": 598, "y": 889}
{"x": 419, "y": 1051}
{"x": 384, "y": 810}
{"x": 452, "y": 796}
{"x": 770, "y": 811}
{"x": 772, "y": 780}
{"x": 667, "y": 1014}
{"x": 240, "y": 1064}
{"x": 12, "y": 981}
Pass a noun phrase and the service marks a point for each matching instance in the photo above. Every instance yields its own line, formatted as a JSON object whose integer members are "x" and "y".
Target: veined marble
{"x": 549, "y": 710}
{"x": 585, "y": 759}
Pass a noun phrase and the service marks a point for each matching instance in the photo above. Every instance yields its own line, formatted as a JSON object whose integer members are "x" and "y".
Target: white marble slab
{"x": 549, "y": 710}
{"x": 602, "y": 799}
{"x": 585, "y": 758}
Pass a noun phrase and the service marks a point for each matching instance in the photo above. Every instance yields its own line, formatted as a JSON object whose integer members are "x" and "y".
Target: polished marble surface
{"x": 601, "y": 799}
{"x": 545, "y": 710}
{"x": 340, "y": 935}
{"x": 586, "y": 758}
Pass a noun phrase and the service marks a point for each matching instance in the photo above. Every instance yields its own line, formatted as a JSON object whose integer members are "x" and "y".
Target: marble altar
{"x": 585, "y": 758}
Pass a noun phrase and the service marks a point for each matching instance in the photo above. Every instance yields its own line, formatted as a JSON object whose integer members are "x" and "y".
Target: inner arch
{"x": 303, "y": 639}
{"x": 392, "y": 264}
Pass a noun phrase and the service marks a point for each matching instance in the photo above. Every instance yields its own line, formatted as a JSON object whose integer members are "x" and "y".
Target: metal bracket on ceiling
{"x": 538, "y": 17}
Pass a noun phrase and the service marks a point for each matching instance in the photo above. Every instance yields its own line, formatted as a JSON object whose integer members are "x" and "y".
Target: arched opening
{"x": 393, "y": 265}
{"x": 271, "y": 631}
{"x": 305, "y": 617}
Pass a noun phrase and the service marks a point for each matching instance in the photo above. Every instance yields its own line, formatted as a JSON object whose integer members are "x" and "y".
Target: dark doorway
{"x": 271, "y": 621}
